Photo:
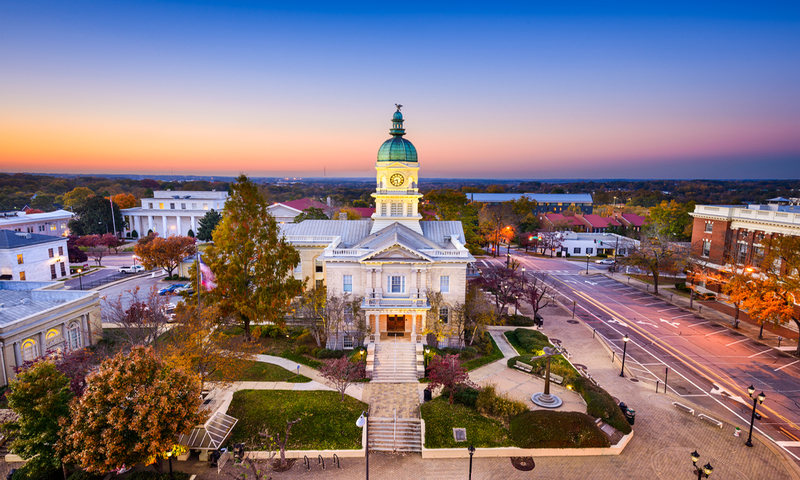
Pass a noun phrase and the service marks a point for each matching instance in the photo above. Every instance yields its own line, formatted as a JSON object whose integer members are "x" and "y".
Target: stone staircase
{"x": 388, "y": 435}
{"x": 395, "y": 362}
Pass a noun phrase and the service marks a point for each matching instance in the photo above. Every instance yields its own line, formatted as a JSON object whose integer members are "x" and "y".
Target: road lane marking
{"x": 700, "y": 323}
{"x": 759, "y": 353}
{"x": 737, "y": 341}
{"x": 674, "y": 324}
{"x": 788, "y": 364}
{"x": 712, "y": 333}
{"x": 668, "y": 309}
{"x": 651, "y": 304}
{"x": 681, "y": 316}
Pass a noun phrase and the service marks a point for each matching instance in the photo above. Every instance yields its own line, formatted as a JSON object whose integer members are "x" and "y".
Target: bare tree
{"x": 536, "y": 290}
{"x": 140, "y": 318}
{"x": 474, "y": 315}
{"x": 502, "y": 284}
{"x": 330, "y": 315}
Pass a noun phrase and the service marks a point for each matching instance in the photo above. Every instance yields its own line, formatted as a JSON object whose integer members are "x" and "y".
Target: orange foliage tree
{"x": 124, "y": 200}
{"x": 133, "y": 408}
{"x": 165, "y": 253}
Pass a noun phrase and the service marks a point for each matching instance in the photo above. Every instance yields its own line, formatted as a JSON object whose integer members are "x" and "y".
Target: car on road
{"x": 184, "y": 289}
{"x": 170, "y": 289}
{"x": 169, "y": 311}
{"x": 605, "y": 261}
{"x": 131, "y": 269}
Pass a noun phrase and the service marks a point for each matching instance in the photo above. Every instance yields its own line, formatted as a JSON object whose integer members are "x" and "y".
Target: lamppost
{"x": 523, "y": 274}
{"x": 508, "y": 259}
{"x": 758, "y": 399}
{"x": 615, "y": 203}
{"x": 363, "y": 422}
{"x": 587, "y": 263}
{"x": 516, "y": 302}
{"x": 471, "y": 451}
{"x": 702, "y": 472}
{"x": 624, "y": 351}
{"x": 80, "y": 277}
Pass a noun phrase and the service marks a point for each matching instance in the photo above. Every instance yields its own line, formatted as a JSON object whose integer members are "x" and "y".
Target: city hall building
{"x": 393, "y": 259}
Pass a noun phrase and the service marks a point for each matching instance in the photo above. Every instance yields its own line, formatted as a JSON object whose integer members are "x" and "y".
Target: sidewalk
{"x": 719, "y": 313}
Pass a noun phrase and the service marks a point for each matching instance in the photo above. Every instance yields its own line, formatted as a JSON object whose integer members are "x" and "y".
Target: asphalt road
{"x": 708, "y": 363}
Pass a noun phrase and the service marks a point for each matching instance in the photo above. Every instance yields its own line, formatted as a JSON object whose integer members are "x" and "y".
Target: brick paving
{"x": 384, "y": 398}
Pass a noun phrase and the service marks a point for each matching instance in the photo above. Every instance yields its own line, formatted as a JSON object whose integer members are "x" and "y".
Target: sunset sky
{"x": 635, "y": 90}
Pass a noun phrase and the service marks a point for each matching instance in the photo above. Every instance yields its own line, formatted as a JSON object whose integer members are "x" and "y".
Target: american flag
{"x": 207, "y": 279}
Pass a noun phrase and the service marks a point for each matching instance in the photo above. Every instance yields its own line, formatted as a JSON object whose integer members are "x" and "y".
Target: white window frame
{"x": 706, "y": 248}
{"x": 576, "y": 250}
{"x": 347, "y": 342}
{"x": 444, "y": 314}
{"x": 709, "y": 228}
{"x": 398, "y": 281}
{"x": 444, "y": 284}
{"x": 30, "y": 350}
{"x": 347, "y": 283}
{"x": 74, "y": 340}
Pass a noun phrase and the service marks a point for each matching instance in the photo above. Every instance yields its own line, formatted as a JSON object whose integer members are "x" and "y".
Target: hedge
{"x": 600, "y": 404}
{"x": 551, "y": 429}
{"x": 519, "y": 321}
{"x": 558, "y": 366}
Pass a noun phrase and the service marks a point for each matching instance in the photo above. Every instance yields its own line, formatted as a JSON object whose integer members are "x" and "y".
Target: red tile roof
{"x": 555, "y": 218}
{"x": 632, "y": 219}
{"x": 365, "y": 212}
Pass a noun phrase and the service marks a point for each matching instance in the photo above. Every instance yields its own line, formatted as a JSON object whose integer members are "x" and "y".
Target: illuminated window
{"x": 50, "y": 252}
{"x": 21, "y": 276}
{"x": 161, "y": 206}
{"x": 52, "y": 226}
{"x": 20, "y": 261}
{"x": 205, "y": 206}
{"x": 444, "y": 315}
{"x": 29, "y": 350}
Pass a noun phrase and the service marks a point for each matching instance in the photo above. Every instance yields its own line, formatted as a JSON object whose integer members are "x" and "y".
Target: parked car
{"x": 170, "y": 289}
{"x": 605, "y": 261}
{"x": 131, "y": 269}
{"x": 184, "y": 289}
{"x": 169, "y": 311}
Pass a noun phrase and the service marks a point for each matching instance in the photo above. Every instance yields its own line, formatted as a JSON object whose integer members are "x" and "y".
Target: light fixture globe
{"x": 750, "y": 390}
{"x": 761, "y": 397}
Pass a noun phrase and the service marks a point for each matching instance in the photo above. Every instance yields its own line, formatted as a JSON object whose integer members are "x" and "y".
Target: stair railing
{"x": 394, "y": 441}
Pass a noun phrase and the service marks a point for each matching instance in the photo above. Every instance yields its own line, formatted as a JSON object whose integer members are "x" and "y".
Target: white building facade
{"x": 32, "y": 257}
{"x": 392, "y": 260}
{"x": 172, "y": 213}
{"x": 53, "y": 224}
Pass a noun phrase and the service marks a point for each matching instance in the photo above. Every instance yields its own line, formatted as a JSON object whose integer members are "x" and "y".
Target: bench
{"x": 684, "y": 407}
{"x": 555, "y": 378}
{"x": 710, "y": 420}
{"x": 523, "y": 366}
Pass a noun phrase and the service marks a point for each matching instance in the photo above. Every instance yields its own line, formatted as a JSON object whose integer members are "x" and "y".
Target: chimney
{"x": 342, "y": 215}
{"x": 329, "y": 201}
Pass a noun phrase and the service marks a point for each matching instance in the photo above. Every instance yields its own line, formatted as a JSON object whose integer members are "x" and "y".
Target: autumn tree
{"x": 112, "y": 242}
{"x": 76, "y": 196}
{"x": 207, "y": 224}
{"x": 536, "y": 290}
{"x": 94, "y": 215}
{"x": 310, "y": 213}
{"x": 139, "y": 316}
{"x": 198, "y": 343}
{"x": 672, "y": 219}
{"x": 125, "y": 200}
{"x": 76, "y": 255}
{"x": 342, "y": 373}
{"x": 448, "y": 373}
{"x": 133, "y": 409}
{"x": 252, "y": 260}
{"x": 657, "y": 253}
{"x": 328, "y": 314}
{"x": 94, "y": 247}
{"x": 40, "y": 396}
{"x": 503, "y": 284}
{"x": 166, "y": 253}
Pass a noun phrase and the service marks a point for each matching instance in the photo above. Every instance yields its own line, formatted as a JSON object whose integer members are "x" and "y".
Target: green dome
{"x": 397, "y": 148}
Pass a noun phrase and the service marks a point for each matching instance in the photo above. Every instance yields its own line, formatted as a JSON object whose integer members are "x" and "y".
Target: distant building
{"x": 556, "y": 222}
{"x": 172, "y": 213}
{"x": 547, "y": 202}
{"x": 37, "y": 318}
{"x": 284, "y": 212}
{"x": 583, "y": 244}
{"x": 32, "y": 257}
{"x": 53, "y": 224}
{"x": 630, "y": 221}
{"x": 730, "y": 237}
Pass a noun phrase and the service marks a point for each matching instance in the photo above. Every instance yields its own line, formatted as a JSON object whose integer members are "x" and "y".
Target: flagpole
{"x": 113, "y": 221}
{"x": 197, "y": 271}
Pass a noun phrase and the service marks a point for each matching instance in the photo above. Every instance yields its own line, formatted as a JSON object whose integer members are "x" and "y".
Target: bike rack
{"x": 321, "y": 460}
{"x": 306, "y": 462}
{"x": 336, "y": 461}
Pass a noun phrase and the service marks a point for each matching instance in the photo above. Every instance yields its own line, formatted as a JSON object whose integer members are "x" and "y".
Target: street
{"x": 698, "y": 359}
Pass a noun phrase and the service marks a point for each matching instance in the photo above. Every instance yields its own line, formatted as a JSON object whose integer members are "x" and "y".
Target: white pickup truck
{"x": 131, "y": 269}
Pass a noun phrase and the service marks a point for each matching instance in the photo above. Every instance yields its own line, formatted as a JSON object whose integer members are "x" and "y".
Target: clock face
{"x": 396, "y": 179}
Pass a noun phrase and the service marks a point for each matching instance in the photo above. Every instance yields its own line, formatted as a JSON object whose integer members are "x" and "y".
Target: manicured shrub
{"x": 532, "y": 341}
{"x": 519, "y": 321}
{"x": 328, "y": 353}
{"x": 599, "y": 404}
{"x": 467, "y": 355}
{"x": 274, "y": 331}
{"x": 255, "y": 332}
{"x": 83, "y": 475}
{"x": 551, "y": 429}
{"x": 302, "y": 350}
{"x": 498, "y": 405}
{"x": 466, "y": 396}
{"x": 147, "y": 475}
{"x": 681, "y": 287}
{"x": 315, "y": 351}
{"x": 558, "y": 366}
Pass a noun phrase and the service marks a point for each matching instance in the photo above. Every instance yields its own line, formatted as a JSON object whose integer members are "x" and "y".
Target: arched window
{"x": 30, "y": 352}
{"x": 444, "y": 314}
{"x": 74, "y": 340}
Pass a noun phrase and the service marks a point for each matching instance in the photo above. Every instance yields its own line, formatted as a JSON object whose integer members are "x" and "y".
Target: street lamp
{"x": 523, "y": 274}
{"x": 363, "y": 422}
{"x": 587, "y": 262}
{"x": 471, "y": 451}
{"x": 80, "y": 278}
{"x": 758, "y": 399}
{"x": 624, "y": 351}
{"x": 508, "y": 259}
{"x": 615, "y": 203}
{"x": 702, "y": 472}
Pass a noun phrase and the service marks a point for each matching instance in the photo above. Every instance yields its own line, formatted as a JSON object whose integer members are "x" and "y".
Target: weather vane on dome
{"x": 398, "y": 106}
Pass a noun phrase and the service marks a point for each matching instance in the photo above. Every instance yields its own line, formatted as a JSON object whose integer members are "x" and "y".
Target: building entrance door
{"x": 396, "y": 324}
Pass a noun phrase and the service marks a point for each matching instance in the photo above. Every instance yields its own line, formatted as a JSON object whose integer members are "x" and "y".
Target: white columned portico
{"x": 178, "y": 221}
{"x": 194, "y": 225}
{"x": 149, "y": 224}
{"x": 164, "y": 226}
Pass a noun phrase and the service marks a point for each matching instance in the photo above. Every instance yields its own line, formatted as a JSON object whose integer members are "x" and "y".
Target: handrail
{"x": 394, "y": 441}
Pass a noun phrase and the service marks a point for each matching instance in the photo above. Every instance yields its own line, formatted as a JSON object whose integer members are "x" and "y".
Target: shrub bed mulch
{"x": 327, "y": 422}
{"x": 550, "y": 429}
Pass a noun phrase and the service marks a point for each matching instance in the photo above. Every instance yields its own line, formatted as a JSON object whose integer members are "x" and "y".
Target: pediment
{"x": 397, "y": 253}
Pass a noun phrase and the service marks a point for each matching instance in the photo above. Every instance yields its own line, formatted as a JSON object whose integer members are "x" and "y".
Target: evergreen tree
{"x": 251, "y": 260}
{"x": 94, "y": 217}
{"x": 207, "y": 224}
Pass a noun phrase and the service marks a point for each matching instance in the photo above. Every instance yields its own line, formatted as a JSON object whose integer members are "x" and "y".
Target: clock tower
{"x": 397, "y": 193}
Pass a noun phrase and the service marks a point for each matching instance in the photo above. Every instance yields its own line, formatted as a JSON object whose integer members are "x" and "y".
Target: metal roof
{"x": 351, "y": 231}
{"x": 10, "y": 239}
{"x": 211, "y": 435}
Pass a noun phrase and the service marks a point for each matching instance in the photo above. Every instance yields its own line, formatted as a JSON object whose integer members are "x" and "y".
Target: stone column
{"x": 377, "y": 327}
{"x": 42, "y": 346}
{"x": 412, "y": 283}
{"x": 423, "y": 288}
{"x": 379, "y": 282}
{"x": 149, "y": 224}
{"x": 164, "y": 226}
{"x": 178, "y": 222}
{"x": 17, "y": 355}
{"x": 194, "y": 225}
{"x": 414, "y": 328}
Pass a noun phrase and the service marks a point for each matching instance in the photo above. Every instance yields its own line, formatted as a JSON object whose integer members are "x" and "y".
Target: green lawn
{"x": 441, "y": 417}
{"x": 267, "y": 372}
{"x": 327, "y": 423}
{"x": 484, "y": 360}
{"x": 551, "y": 429}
